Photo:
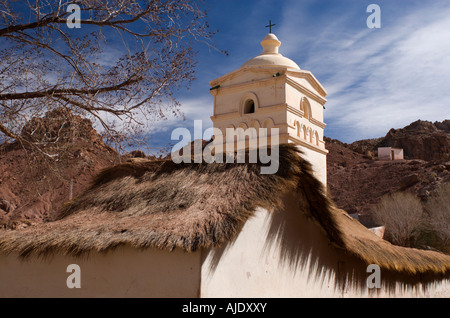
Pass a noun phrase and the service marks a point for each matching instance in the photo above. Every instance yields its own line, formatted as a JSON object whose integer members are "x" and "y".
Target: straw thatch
{"x": 190, "y": 206}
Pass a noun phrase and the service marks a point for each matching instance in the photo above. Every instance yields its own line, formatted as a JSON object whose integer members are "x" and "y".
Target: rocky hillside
{"x": 357, "y": 180}
{"x": 32, "y": 185}
{"x": 32, "y": 189}
{"x": 419, "y": 140}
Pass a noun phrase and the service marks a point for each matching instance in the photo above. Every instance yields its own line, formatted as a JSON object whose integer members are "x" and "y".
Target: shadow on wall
{"x": 304, "y": 247}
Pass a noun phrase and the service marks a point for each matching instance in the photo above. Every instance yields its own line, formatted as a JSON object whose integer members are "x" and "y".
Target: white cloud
{"x": 377, "y": 78}
{"x": 193, "y": 109}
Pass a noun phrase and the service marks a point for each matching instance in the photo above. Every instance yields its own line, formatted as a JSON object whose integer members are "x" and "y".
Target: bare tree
{"x": 124, "y": 63}
{"x": 401, "y": 213}
{"x": 438, "y": 208}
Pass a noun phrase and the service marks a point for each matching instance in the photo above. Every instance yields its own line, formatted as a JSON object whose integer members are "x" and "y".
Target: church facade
{"x": 271, "y": 91}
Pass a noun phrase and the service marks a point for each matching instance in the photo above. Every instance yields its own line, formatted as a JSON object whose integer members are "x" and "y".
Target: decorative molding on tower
{"x": 271, "y": 90}
{"x": 318, "y": 98}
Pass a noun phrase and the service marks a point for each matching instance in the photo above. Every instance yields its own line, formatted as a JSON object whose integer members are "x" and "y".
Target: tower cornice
{"x": 310, "y": 78}
{"x": 318, "y": 98}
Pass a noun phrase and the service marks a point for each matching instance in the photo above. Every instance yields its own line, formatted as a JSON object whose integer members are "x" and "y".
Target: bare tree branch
{"x": 129, "y": 57}
{"x": 55, "y": 92}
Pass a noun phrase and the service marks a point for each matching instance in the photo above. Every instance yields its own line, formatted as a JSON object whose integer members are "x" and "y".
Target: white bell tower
{"x": 271, "y": 90}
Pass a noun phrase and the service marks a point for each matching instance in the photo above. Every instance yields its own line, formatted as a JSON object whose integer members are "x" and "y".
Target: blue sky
{"x": 376, "y": 79}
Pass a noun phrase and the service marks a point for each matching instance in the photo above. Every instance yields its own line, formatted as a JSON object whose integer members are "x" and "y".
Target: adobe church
{"x": 154, "y": 228}
{"x": 271, "y": 91}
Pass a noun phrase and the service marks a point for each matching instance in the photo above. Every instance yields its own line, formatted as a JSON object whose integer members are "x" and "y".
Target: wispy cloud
{"x": 377, "y": 78}
{"x": 154, "y": 135}
{"x": 194, "y": 109}
{"x": 200, "y": 108}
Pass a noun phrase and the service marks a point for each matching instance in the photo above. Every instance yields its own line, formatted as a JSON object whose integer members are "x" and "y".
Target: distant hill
{"x": 419, "y": 140}
{"x": 31, "y": 191}
{"x": 357, "y": 180}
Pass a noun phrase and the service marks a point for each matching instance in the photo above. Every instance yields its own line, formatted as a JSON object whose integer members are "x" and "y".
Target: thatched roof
{"x": 190, "y": 206}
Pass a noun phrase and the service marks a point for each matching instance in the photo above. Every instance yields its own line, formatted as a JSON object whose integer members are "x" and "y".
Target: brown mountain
{"x": 33, "y": 190}
{"x": 419, "y": 140}
{"x": 33, "y": 186}
{"x": 357, "y": 179}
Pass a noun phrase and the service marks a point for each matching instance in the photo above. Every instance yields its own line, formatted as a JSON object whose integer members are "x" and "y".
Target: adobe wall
{"x": 279, "y": 254}
{"x": 384, "y": 153}
{"x": 318, "y": 161}
{"x": 389, "y": 153}
{"x": 286, "y": 254}
{"x": 125, "y": 272}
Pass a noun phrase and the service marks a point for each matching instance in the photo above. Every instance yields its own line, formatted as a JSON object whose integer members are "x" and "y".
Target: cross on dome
{"x": 270, "y": 26}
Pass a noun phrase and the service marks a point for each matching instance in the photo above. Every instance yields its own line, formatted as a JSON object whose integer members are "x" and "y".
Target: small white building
{"x": 389, "y": 153}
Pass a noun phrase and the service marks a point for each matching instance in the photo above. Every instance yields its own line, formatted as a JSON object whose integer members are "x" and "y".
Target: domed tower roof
{"x": 270, "y": 56}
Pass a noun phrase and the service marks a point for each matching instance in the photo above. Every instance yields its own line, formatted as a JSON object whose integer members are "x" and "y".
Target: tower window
{"x": 249, "y": 106}
{"x": 306, "y": 108}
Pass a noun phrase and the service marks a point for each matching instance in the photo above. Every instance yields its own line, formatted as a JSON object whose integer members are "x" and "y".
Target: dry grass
{"x": 402, "y": 214}
{"x": 364, "y": 244}
{"x": 438, "y": 208}
{"x": 190, "y": 206}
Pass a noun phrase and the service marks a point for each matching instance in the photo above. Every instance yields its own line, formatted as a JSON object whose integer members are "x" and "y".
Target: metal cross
{"x": 270, "y": 26}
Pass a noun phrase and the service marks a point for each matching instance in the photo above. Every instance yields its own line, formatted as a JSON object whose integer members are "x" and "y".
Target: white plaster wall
{"x": 285, "y": 254}
{"x": 249, "y": 267}
{"x": 293, "y": 97}
{"x": 125, "y": 272}
{"x": 225, "y": 104}
{"x": 293, "y": 118}
{"x": 279, "y": 254}
{"x": 268, "y": 95}
{"x": 398, "y": 154}
{"x": 249, "y": 119}
{"x": 384, "y": 153}
{"x": 278, "y": 118}
{"x": 316, "y": 109}
{"x": 243, "y": 75}
{"x": 252, "y": 266}
{"x": 318, "y": 161}
{"x": 305, "y": 83}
